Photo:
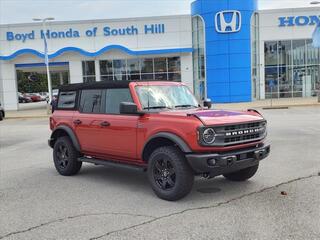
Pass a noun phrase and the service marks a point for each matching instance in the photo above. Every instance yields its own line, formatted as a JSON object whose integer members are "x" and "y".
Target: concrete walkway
{"x": 275, "y": 103}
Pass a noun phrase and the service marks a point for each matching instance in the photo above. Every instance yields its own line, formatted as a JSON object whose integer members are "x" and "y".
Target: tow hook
{"x": 229, "y": 160}
{"x": 259, "y": 154}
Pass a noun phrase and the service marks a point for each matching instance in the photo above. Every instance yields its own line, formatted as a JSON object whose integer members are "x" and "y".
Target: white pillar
{"x": 75, "y": 68}
{"x": 186, "y": 70}
{"x": 61, "y": 78}
{"x": 9, "y": 86}
{"x": 262, "y": 79}
{"x": 97, "y": 68}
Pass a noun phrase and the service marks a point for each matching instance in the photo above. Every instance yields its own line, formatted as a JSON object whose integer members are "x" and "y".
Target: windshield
{"x": 166, "y": 97}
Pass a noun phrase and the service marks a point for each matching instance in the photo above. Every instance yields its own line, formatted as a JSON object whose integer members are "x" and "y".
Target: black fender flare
{"x": 172, "y": 137}
{"x": 70, "y": 134}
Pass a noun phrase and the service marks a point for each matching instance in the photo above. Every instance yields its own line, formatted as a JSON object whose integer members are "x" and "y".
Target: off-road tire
{"x": 243, "y": 174}
{"x": 66, "y": 164}
{"x": 1, "y": 116}
{"x": 178, "y": 169}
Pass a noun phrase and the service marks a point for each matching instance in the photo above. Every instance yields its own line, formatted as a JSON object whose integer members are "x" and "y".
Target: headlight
{"x": 208, "y": 136}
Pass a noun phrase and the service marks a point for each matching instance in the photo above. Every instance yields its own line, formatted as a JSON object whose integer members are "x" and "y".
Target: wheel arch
{"x": 163, "y": 139}
{"x": 64, "y": 131}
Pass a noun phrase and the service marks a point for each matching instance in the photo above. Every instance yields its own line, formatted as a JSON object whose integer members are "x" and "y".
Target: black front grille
{"x": 240, "y": 133}
{"x": 242, "y": 126}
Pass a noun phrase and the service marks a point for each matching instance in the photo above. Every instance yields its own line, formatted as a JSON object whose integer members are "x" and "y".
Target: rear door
{"x": 87, "y": 120}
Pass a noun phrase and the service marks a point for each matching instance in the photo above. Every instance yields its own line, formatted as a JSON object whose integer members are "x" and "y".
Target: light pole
{"x": 44, "y": 20}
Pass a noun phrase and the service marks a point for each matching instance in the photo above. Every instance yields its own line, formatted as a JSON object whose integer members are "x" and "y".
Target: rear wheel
{"x": 243, "y": 174}
{"x": 170, "y": 176}
{"x": 65, "y": 157}
{"x": 1, "y": 115}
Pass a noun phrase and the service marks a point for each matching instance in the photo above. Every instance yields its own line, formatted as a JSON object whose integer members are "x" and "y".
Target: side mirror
{"x": 207, "y": 103}
{"x": 128, "y": 108}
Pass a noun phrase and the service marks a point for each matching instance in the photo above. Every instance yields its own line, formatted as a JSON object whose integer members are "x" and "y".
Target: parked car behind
{"x": 42, "y": 98}
{"x": 34, "y": 97}
{"x": 23, "y": 99}
{"x": 2, "y": 113}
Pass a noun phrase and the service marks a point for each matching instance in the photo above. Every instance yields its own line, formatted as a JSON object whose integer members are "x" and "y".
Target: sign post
{"x": 46, "y": 58}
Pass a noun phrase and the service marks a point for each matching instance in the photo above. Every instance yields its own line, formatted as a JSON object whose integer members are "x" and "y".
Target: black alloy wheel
{"x": 164, "y": 174}
{"x": 62, "y": 156}
{"x": 65, "y": 157}
{"x": 170, "y": 176}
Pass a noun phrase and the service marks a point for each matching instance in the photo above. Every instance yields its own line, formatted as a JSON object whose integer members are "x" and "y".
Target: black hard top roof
{"x": 95, "y": 85}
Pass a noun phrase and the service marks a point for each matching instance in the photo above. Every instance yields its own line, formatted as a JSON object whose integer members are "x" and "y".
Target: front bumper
{"x": 218, "y": 164}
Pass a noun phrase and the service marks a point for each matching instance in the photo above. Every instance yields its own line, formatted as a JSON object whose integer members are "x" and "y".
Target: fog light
{"x": 212, "y": 162}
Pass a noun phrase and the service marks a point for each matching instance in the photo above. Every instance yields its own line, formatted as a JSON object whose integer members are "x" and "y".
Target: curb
{"x": 27, "y": 117}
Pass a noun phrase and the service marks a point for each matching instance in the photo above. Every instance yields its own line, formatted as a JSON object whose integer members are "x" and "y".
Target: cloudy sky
{"x": 21, "y": 11}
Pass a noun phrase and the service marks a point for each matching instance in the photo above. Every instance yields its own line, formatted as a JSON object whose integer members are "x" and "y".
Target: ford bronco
{"x": 158, "y": 127}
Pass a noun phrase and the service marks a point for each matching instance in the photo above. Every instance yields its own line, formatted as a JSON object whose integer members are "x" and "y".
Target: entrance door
{"x": 33, "y": 85}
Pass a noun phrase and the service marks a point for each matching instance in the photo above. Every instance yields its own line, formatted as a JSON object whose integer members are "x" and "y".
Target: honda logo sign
{"x": 228, "y": 21}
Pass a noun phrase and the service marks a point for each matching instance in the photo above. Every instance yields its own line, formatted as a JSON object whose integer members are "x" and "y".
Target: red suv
{"x": 156, "y": 126}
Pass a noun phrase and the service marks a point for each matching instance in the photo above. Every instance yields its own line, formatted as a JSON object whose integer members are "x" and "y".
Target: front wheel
{"x": 243, "y": 174}
{"x": 169, "y": 174}
{"x": 65, "y": 157}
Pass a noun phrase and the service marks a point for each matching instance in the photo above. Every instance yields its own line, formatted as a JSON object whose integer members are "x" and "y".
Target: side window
{"x": 67, "y": 100}
{"x": 90, "y": 101}
{"x": 116, "y": 96}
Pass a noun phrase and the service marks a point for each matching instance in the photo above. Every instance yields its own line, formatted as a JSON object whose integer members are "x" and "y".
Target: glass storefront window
{"x": 271, "y": 53}
{"x": 147, "y": 65}
{"x": 119, "y": 69}
{"x": 285, "y": 83}
{"x": 160, "y": 65}
{"x": 271, "y": 85}
{"x": 106, "y": 70}
{"x": 313, "y": 54}
{"x": 291, "y": 69}
{"x": 106, "y": 67}
{"x": 298, "y": 52}
{"x": 133, "y": 66}
{"x": 136, "y": 69}
{"x": 298, "y": 80}
{"x": 174, "y": 64}
{"x": 88, "y": 71}
{"x": 284, "y": 53}
{"x": 313, "y": 72}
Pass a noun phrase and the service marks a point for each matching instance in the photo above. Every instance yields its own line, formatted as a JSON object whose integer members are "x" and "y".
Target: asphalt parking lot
{"x": 111, "y": 203}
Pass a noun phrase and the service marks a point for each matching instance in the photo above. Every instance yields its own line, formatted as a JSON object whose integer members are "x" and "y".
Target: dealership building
{"x": 228, "y": 51}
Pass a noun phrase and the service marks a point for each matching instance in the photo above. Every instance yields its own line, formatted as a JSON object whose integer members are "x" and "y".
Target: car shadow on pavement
{"x": 128, "y": 179}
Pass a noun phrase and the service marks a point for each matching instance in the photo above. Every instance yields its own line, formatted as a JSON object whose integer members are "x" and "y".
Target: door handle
{"x": 105, "y": 124}
{"x": 77, "y": 122}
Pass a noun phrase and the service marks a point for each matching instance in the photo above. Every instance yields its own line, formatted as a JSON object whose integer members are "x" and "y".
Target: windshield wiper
{"x": 186, "y": 106}
{"x": 157, "y": 107}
